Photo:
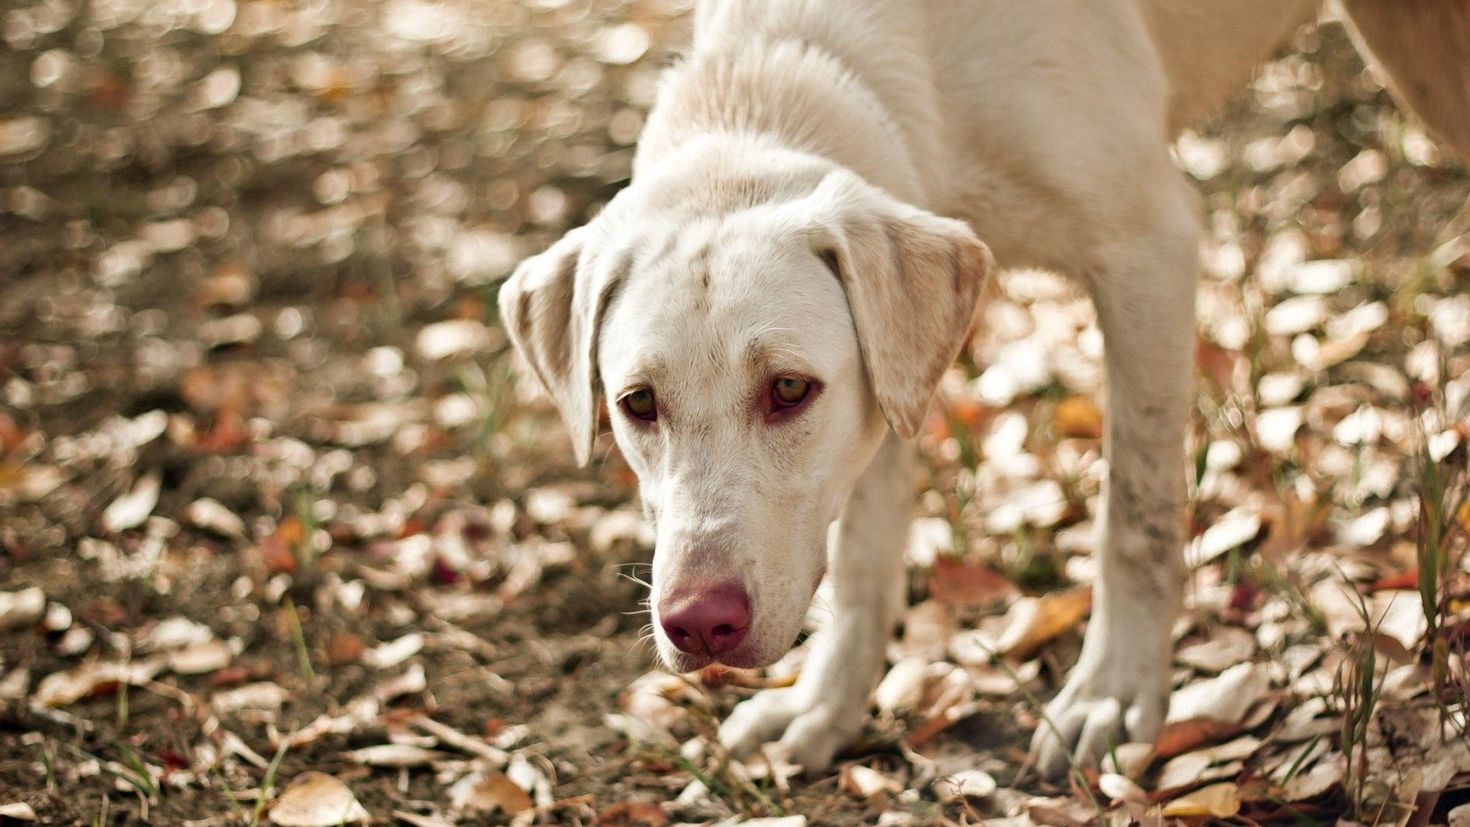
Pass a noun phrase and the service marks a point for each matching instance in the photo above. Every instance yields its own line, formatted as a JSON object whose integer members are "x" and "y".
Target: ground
{"x": 273, "y": 497}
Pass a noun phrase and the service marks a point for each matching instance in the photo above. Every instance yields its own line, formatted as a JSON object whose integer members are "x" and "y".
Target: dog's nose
{"x": 707, "y": 621}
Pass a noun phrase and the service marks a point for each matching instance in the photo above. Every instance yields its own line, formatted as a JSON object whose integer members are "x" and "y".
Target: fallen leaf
{"x": 1276, "y": 428}
{"x": 200, "y": 658}
{"x": 1079, "y": 417}
{"x": 394, "y": 652}
{"x": 1031, "y": 622}
{"x": 960, "y": 583}
{"x": 1226, "y": 697}
{"x": 927, "y": 629}
{"x": 964, "y": 784}
{"x": 19, "y": 810}
{"x": 394, "y": 755}
{"x": 867, "y": 784}
{"x": 1185, "y": 736}
{"x": 263, "y": 695}
{"x": 1121, "y": 788}
{"x": 1236, "y": 528}
{"x": 632, "y": 814}
{"x": 1228, "y": 646}
{"x": 68, "y": 687}
{"x": 23, "y": 608}
{"x": 902, "y": 688}
{"x": 1295, "y": 315}
{"x": 214, "y": 517}
{"x": 132, "y": 508}
{"x": 452, "y": 338}
{"x": 1214, "y": 801}
{"x": 344, "y": 648}
{"x": 417, "y": 820}
{"x": 315, "y": 799}
{"x": 1320, "y": 777}
{"x": 487, "y": 791}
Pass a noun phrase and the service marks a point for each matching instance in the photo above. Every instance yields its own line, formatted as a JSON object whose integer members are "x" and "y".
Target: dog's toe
{"x": 1081, "y": 727}
{"x": 806, "y": 732}
{"x": 759, "y": 720}
{"x": 813, "y": 739}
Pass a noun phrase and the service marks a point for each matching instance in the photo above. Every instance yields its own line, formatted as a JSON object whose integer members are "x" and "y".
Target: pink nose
{"x": 708, "y": 621}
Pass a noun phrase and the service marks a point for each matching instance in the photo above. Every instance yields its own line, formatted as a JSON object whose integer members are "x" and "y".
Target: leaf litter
{"x": 279, "y": 523}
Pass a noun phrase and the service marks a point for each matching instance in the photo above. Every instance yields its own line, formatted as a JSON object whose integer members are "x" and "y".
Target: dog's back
{"x": 1424, "y": 45}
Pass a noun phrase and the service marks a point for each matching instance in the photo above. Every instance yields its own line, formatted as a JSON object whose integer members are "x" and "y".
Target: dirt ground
{"x": 274, "y": 501}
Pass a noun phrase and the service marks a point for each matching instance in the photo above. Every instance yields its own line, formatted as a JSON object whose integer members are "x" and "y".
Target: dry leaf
{"x": 200, "y": 658}
{"x": 263, "y": 695}
{"x": 214, "y": 517}
{"x": 927, "y": 629}
{"x": 964, "y": 784}
{"x": 19, "y": 810}
{"x": 487, "y": 791}
{"x": 958, "y": 583}
{"x": 632, "y": 814}
{"x": 1228, "y": 646}
{"x": 68, "y": 687}
{"x": 1031, "y": 622}
{"x": 1214, "y": 801}
{"x": 132, "y": 508}
{"x": 1276, "y": 428}
{"x": 1238, "y": 527}
{"x": 23, "y": 608}
{"x": 867, "y": 784}
{"x": 1179, "y": 737}
{"x": 394, "y": 755}
{"x": 1121, "y": 788}
{"x": 902, "y": 688}
{"x": 1322, "y": 776}
{"x": 315, "y": 799}
{"x": 449, "y": 339}
{"x": 1078, "y": 416}
{"x": 1226, "y": 697}
{"x": 394, "y": 652}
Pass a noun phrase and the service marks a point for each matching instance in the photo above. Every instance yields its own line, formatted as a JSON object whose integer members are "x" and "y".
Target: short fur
{"x": 806, "y": 201}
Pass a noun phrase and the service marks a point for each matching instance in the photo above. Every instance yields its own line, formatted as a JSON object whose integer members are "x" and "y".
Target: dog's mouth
{"x": 742, "y": 657}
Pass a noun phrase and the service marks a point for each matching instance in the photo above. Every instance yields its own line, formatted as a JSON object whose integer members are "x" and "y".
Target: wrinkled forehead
{"x": 723, "y": 299}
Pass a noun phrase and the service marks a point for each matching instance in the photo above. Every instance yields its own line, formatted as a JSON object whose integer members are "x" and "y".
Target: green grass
{"x": 298, "y": 641}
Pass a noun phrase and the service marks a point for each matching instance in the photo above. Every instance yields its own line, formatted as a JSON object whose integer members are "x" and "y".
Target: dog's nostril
{"x": 708, "y": 621}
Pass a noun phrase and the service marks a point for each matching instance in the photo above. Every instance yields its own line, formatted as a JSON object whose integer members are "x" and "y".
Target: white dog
{"x": 768, "y": 307}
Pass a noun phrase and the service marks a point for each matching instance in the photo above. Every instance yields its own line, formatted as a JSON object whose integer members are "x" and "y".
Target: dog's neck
{"x": 776, "y": 74}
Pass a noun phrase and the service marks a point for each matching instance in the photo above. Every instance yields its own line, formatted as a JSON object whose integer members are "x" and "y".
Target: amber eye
{"x": 789, "y": 390}
{"x": 639, "y": 404}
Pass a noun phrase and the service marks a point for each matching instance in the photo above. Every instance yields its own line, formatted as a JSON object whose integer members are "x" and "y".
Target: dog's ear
{"x": 552, "y": 307}
{"x": 912, "y": 280}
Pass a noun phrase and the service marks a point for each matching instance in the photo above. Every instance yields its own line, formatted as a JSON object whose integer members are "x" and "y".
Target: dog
{"x": 768, "y": 307}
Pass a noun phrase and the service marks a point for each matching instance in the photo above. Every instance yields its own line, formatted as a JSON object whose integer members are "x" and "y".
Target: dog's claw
{"x": 1098, "y": 709}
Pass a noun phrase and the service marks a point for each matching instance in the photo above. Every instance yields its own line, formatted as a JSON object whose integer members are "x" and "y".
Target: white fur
{"x": 784, "y": 218}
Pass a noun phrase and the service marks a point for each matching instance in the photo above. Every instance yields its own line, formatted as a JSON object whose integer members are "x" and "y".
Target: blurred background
{"x": 274, "y": 501}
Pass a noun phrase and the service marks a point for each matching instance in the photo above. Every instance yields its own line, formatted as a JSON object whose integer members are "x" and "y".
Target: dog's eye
{"x": 787, "y": 391}
{"x": 639, "y": 404}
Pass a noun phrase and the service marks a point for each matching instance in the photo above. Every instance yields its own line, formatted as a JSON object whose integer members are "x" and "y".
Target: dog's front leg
{"x": 829, "y": 703}
{"x": 1119, "y": 689}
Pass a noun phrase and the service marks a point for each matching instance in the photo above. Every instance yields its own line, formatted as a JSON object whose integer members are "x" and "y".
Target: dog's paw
{"x": 1115, "y": 701}
{"x": 807, "y": 731}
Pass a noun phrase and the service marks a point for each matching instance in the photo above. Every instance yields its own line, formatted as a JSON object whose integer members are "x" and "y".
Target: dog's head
{"x": 756, "y": 325}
